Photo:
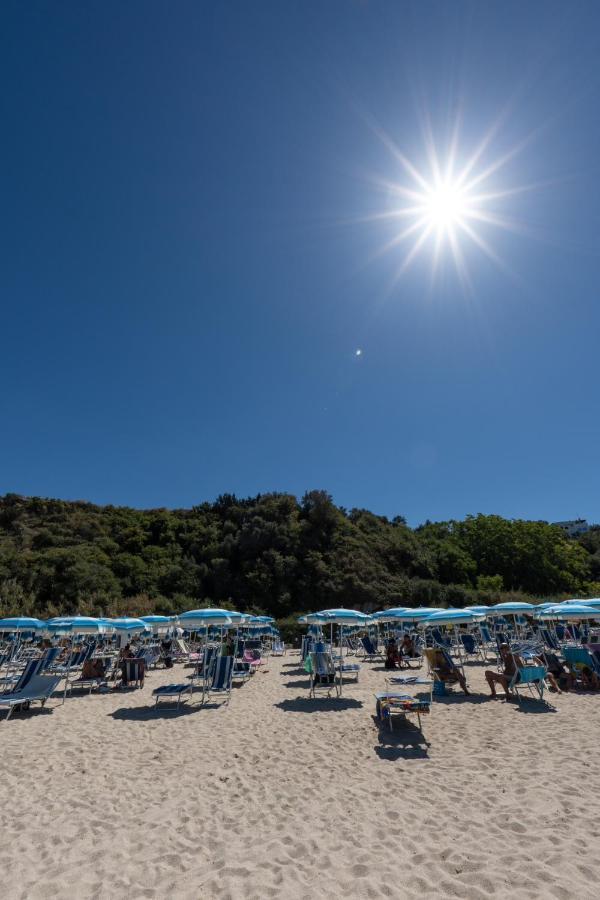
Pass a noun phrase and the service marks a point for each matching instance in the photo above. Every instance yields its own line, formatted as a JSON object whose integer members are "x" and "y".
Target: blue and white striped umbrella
{"x": 21, "y": 623}
{"x": 594, "y": 602}
{"x": 203, "y": 618}
{"x": 511, "y": 608}
{"x": 572, "y": 612}
{"x": 345, "y": 616}
{"x": 389, "y": 615}
{"x": 128, "y": 625}
{"x": 77, "y": 625}
{"x": 451, "y": 617}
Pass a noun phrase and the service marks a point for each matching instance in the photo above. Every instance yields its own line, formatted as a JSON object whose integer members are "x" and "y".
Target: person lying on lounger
{"x": 558, "y": 676}
{"x": 407, "y": 647}
{"x": 511, "y": 663}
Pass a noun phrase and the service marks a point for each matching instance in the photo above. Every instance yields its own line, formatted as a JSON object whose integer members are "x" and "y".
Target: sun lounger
{"x": 532, "y": 677}
{"x": 172, "y": 691}
{"x": 132, "y": 672}
{"x": 370, "y": 650}
{"x": 222, "y": 678}
{"x": 278, "y": 649}
{"x": 39, "y": 687}
{"x": 390, "y": 705}
{"x": 323, "y": 676}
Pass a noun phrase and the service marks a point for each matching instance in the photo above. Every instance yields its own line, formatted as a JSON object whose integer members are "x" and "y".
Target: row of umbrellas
{"x": 192, "y": 620}
{"x": 568, "y": 610}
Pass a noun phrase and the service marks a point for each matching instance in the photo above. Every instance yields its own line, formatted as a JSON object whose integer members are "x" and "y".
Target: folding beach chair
{"x": 18, "y": 682}
{"x": 440, "y": 641}
{"x": 370, "y": 650}
{"x": 170, "y": 691}
{"x": 580, "y": 658}
{"x": 432, "y": 655}
{"x": 532, "y": 677}
{"x": 348, "y": 669}
{"x": 471, "y": 646}
{"x": 132, "y": 672}
{"x": 323, "y": 676}
{"x": 242, "y": 671}
{"x": 222, "y": 678}
{"x": 39, "y": 687}
{"x": 94, "y": 681}
{"x": 278, "y": 649}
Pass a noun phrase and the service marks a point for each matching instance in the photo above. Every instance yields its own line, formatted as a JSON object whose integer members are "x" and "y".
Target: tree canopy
{"x": 272, "y": 553}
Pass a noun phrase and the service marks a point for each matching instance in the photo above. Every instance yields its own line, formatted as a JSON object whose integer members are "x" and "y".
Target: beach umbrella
{"x": 389, "y": 615}
{"x": 158, "y": 623}
{"x": 78, "y": 625}
{"x": 21, "y": 623}
{"x": 573, "y": 612}
{"x": 204, "y": 618}
{"x": 417, "y": 614}
{"x": 478, "y": 609}
{"x": 341, "y": 617}
{"x": 128, "y": 625}
{"x": 593, "y": 602}
{"x": 512, "y": 608}
{"x": 451, "y": 617}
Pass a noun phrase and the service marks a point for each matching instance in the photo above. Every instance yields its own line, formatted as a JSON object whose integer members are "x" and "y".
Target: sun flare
{"x": 446, "y": 202}
{"x": 445, "y": 205}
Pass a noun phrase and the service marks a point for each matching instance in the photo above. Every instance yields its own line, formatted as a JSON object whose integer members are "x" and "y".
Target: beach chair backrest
{"x": 579, "y": 657}
{"x": 368, "y": 645}
{"x": 322, "y": 665}
{"x": 133, "y": 669}
{"x": 468, "y": 642}
{"x": 531, "y": 674}
{"x": 49, "y": 657}
{"x": 223, "y": 672}
{"x": 31, "y": 669}
{"x": 485, "y": 634}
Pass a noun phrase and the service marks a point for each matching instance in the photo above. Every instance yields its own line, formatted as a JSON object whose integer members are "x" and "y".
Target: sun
{"x": 448, "y": 201}
{"x": 446, "y": 205}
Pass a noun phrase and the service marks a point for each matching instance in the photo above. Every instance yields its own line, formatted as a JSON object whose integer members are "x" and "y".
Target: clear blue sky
{"x": 187, "y": 268}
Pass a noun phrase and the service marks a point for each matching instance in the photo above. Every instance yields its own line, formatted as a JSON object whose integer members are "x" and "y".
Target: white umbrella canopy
{"x": 573, "y": 612}
{"x": 389, "y": 615}
{"x": 21, "y": 623}
{"x": 451, "y": 617}
{"x": 202, "y": 618}
{"x": 511, "y": 608}
{"x": 594, "y": 602}
{"x": 78, "y": 625}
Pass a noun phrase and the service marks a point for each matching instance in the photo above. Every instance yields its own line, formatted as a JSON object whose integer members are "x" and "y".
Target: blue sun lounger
{"x": 323, "y": 676}
{"x": 173, "y": 691}
{"x": 39, "y": 687}
{"x": 531, "y": 677}
{"x": 222, "y": 678}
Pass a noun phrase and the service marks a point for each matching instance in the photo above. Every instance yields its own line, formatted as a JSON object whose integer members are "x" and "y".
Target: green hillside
{"x": 272, "y": 553}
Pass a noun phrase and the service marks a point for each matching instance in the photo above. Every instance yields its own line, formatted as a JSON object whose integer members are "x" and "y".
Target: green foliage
{"x": 272, "y": 554}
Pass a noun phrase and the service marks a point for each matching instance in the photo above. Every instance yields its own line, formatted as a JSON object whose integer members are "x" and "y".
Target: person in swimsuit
{"x": 511, "y": 664}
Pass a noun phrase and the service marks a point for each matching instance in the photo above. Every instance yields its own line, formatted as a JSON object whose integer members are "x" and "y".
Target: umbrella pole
{"x": 341, "y": 627}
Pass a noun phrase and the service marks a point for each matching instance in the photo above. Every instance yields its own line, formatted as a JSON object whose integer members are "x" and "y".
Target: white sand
{"x": 279, "y": 796}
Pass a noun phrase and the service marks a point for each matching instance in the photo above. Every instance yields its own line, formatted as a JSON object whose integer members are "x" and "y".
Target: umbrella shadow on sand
{"x": 406, "y": 741}
{"x": 303, "y": 683}
{"x": 319, "y": 704}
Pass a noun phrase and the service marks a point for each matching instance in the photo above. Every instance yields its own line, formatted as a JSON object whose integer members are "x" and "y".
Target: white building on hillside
{"x": 574, "y": 527}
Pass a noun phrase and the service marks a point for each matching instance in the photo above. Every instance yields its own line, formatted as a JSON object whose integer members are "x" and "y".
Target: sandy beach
{"x": 277, "y": 795}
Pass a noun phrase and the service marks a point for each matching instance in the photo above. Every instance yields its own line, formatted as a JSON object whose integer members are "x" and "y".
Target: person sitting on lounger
{"x": 92, "y": 669}
{"x": 407, "y": 647}
{"x": 392, "y": 657}
{"x": 557, "y": 675}
{"x": 446, "y": 670}
{"x": 511, "y": 663}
